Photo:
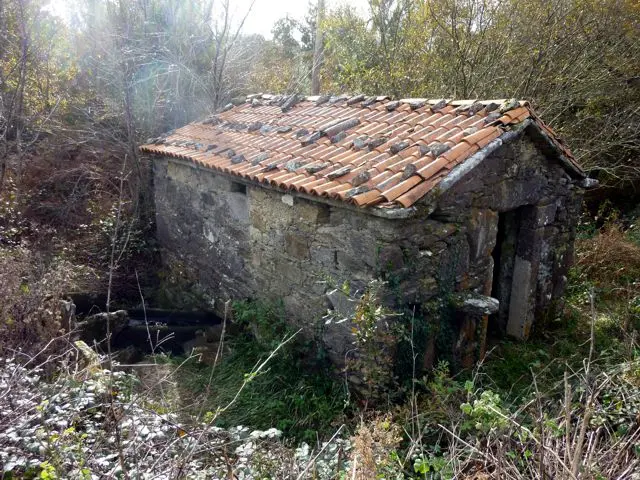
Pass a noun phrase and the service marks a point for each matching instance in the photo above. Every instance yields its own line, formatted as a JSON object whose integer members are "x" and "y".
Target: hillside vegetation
{"x": 78, "y": 95}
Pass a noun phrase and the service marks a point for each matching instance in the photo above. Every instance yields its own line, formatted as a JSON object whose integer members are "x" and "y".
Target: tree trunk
{"x": 317, "y": 51}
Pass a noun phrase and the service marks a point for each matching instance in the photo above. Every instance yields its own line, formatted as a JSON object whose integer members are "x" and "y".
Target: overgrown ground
{"x": 298, "y": 393}
{"x": 565, "y": 404}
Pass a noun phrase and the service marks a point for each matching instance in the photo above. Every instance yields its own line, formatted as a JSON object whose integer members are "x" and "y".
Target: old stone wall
{"x": 539, "y": 205}
{"x": 245, "y": 241}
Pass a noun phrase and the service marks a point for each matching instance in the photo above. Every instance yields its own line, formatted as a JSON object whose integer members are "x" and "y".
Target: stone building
{"x": 283, "y": 198}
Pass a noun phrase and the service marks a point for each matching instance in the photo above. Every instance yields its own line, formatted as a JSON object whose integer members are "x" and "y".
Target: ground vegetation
{"x": 77, "y": 95}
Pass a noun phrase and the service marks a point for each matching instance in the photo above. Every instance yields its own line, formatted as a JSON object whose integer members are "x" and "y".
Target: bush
{"x": 31, "y": 311}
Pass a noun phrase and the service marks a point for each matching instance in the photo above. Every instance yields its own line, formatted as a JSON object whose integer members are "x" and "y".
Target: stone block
{"x": 297, "y": 245}
{"x": 476, "y": 305}
{"x": 482, "y": 231}
{"x": 390, "y": 258}
{"x": 539, "y": 216}
{"x": 520, "y": 308}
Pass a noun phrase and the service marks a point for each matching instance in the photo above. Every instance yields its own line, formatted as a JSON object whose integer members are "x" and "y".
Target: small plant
{"x": 486, "y": 413}
{"x": 372, "y": 362}
{"x": 375, "y": 450}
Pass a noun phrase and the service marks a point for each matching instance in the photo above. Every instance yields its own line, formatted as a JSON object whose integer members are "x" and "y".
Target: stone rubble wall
{"x": 245, "y": 241}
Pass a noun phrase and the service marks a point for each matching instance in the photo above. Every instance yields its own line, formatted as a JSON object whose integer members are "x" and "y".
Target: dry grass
{"x": 373, "y": 446}
{"x": 610, "y": 260}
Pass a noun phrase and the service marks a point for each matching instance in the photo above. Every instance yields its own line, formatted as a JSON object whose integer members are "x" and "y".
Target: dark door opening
{"x": 504, "y": 256}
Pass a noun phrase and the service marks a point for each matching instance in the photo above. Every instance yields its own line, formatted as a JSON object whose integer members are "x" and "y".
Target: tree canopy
{"x": 158, "y": 64}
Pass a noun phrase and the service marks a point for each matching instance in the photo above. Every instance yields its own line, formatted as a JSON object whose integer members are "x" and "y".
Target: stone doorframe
{"x": 526, "y": 266}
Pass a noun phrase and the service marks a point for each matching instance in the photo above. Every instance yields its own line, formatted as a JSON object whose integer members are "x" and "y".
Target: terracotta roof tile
{"x": 432, "y": 168}
{"x": 402, "y": 187}
{"x": 380, "y": 159}
{"x": 365, "y": 198}
{"x": 416, "y": 193}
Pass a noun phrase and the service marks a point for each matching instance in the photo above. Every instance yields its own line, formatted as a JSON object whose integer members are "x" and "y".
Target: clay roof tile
{"x": 256, "y": 141}
{"x": 401, "y": 188}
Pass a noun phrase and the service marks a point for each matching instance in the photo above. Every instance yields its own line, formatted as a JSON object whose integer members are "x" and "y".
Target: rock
{"x": 391, "y": 106}
{"x": 409, "y": 170}
{"x": 360, "y": 142}
{"x": 376, "y": 142}
{"x": 212, "y": 120}
{"x": 341, "y": 127}
{"x": 509, "y": 105}
{"x": 338, "y": 173}
{"x": 322, "y": 99}
{"x": 355, "y": 99}
{"x": 398, "y": 147}
{"x": 290, "y": 102}
{"x": 491, "y": 107}
{"x": 475, "y": 304}
{"x": 293, "y": 165}
{"x": 369, "y": 101}
{"x": 255, "y": 126}
{"x": 475, "y": 108}
{"x": 339, "y": 137}
{"x": 94, "y": 327}
{"x": 311, "y": 169}
{"x": 439, "y": 106}
{"x": 357, "y": 191}
{"x": 309, "y": 139}
{"x": 492, "y": 117}
{"x": 271, "y": 166}
{"x": 424, "y": 150}
{"x": 361, "y": 178}
{"x": 88, "y": 358}
{"x": 261, "y": 157}
{"x": 438, "y": 149}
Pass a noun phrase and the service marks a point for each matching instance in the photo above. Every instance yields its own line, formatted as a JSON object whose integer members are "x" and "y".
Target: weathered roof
{"x": 368, "y": 151}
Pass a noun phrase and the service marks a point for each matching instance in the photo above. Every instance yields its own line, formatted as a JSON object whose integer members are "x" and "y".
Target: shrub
{"x": 31, "y": 312}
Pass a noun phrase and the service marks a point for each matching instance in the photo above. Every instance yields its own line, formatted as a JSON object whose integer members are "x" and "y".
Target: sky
{"x": 263, "y": 14}
{"x": 266, "y": 12}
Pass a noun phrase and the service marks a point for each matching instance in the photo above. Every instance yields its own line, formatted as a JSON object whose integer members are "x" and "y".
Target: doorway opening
{"x": 504, "y": 257}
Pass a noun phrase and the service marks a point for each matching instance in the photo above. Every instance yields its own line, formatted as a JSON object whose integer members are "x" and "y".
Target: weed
{"x": 297, "y": 394}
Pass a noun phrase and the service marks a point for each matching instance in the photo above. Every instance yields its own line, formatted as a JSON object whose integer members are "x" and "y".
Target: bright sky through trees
{"x": 261, "y": 19}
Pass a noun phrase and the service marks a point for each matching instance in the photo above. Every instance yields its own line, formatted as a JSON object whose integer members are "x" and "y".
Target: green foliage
{"x": 433, "y": 467}
{"x": 575, "y": 59}
{"x": 486, "y": 413}
{"x": 297, "y": 393}
{"x": 264, "y": 320}
{"x": 375, "y": 332}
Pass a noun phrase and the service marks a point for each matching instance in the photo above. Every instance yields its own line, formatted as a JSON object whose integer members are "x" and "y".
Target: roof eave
{"x": 391, "y": 213}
